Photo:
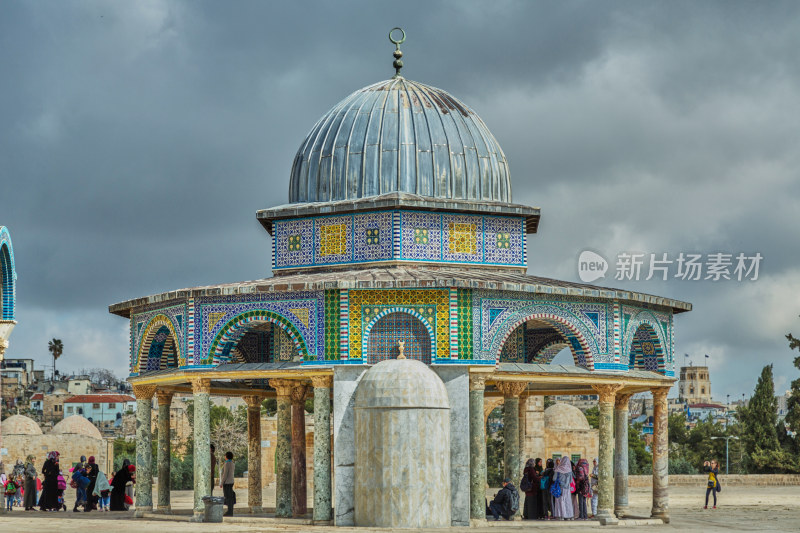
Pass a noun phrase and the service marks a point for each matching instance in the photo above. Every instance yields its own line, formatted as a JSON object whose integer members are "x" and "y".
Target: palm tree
{"x": 56, "y": 348}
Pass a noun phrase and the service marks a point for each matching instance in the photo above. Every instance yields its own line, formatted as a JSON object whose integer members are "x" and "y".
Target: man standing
{"x": 226, "y": 482}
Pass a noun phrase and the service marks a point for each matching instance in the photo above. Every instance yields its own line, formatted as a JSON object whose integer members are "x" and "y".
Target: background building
{"x": 695, "y": 385}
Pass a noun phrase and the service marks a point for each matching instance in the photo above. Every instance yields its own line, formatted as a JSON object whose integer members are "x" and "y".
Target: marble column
{"x": 164, "y": 459}
{"x": 512, "y": 445}
{"x": 477, "y": 448}
{"x": 254, "y": 496}
{"x": 144, "y": 451}
{"x": 660, "y": 449}
{"x": 283, "y": 449}
{"x": 605, "y": 482}
{"x": 299, "y": 485}
{"x": 3, "y": 348}
{"x": 201, "y": 389}
{"x": 621, "y": 454}
{"x": 523, "y": 414}
{"x": 323, "y": 511}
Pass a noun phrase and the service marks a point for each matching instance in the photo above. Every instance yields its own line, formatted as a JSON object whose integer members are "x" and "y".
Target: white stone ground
{"x": 776, "y": 509}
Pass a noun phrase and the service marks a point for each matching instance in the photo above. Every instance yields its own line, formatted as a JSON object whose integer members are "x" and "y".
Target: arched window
{"x": 388, "y": 331}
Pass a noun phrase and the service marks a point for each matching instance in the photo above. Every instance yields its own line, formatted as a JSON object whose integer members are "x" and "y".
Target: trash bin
{"x": 214, "y": 508}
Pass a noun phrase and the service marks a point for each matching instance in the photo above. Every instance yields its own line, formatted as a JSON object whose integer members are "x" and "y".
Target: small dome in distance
{"x": 20, "y": 425}
{"x": 77, "y": 425}
{"x": 562, "y": 416}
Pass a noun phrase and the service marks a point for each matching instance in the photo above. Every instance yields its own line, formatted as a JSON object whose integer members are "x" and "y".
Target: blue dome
{"x": 400, "y": 136}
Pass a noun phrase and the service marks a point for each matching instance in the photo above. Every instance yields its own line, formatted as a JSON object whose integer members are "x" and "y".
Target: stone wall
{"x": 70, "y": 446}
{"x": 699, "y": 480}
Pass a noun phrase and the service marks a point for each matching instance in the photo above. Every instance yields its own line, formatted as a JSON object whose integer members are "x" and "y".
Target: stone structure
{"x": 400, "y": 238}
{"x": 567, "y": 433}
{"x": 694, "y": 385}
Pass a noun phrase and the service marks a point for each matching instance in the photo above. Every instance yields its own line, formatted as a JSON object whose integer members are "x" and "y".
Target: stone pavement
{"x": 776, "y": 509}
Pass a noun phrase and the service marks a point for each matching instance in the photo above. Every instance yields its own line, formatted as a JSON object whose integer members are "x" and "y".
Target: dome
{"x": 562, "y": 416}
{"x": 399, "y": 136}
{"x": 401, "y": 383}
{"x": 20, "y": 425}
{"x": 78, "y": 425}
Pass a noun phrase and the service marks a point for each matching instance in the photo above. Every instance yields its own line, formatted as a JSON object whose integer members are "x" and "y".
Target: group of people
{"x": 563, "y": 491}
{"x": 94, "y": 491}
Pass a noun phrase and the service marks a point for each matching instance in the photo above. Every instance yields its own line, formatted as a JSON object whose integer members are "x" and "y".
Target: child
{"x": 102, "y": 489}
{"x": 61, "y": 487}
{"x": 11, "y": 493}
{"x": 20, "y": 490}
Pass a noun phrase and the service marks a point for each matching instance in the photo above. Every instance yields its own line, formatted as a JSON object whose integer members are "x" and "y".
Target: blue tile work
{"x": 421, "y": 236}
{"x": 333, "y": 240}
{"x": 161, "y": 353}
{"x": 383, "y": 338}
{"x": 661, "y": 323}
{"x": 372, "y": 236}
{"x": 543, "y": 344}
{"x": 646, "y": 351}
{"x": 8, "y": 276}
{"x": 505, "y": 240}
{"x": 294, "y": 243}
{"x": 146, "y": 321}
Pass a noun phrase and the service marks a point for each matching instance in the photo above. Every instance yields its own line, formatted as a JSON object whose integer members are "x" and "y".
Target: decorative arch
{"x": 8, "y": 277}
{"x": 643, "y": 317}
{"x": 386, "y": 312}
{"x": 571, "y": 332}
{"x": 232, "y": 332}
{"x": 647, "y": 352}
{"x": 386, "y": 329}
{"x": 159, "y": 334}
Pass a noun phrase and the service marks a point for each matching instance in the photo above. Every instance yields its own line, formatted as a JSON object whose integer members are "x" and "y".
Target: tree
{"x": 56, "y": 347}
{"x": 793, "y": 405}
{"x": 760, "y": 419}
{"x": 593, "y": 417}
{"x": 229, "y": 435}
{"x": 640, "y": 461}
{"x": 495, "y": 451}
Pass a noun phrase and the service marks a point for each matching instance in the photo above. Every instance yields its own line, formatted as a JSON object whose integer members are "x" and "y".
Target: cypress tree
{"x": 793, "y": 405}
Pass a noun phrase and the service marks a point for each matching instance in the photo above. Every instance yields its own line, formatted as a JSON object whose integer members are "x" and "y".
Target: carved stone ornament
{"x": 144, "y": 392}
{"x": 322, "y": 382}
{"x": 511, "y": 389}
{"x": 606, "y": 392}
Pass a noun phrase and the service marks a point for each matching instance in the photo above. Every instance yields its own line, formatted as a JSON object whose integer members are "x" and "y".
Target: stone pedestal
{"x": 164, "y": 458}
{"x": 144, "y": 452}
{"x": 201, "y": 389}
{"x": 345, "y": 382}
{"x": 299, "y": 486}
{"x": 254, "y": 499}
{"x": 477, "y": 448}
{"x": 323, "y": 511}
{"x": 605, "y": 482}
{"x": 621, "y": 454}
{"x": 660, "y": 449}
{"x": 283, "y": 449}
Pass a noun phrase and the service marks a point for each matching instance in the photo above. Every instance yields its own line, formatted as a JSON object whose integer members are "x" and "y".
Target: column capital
{"x": 660, "y": 394}
{"x": 621, "y": 401}
{"x": 606, "y": 392}
{"x": 282, "y": 386}
{"x": 144, "y": 392}
{"x": 164, "y": 397}
{"x": 477, "y": 382}
{"x": 322, "y": 382}
{"x": 201, "y": 385}
{"x": 298, "y": 393}
{"x": 253, "y": 401}
{"x": 511, "y": 389}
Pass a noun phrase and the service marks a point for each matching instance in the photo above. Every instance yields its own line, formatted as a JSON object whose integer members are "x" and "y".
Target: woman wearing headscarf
{"x": 562, "y": 506}
{"x": 532, "y": 508}
{"x": 118, "y": 485}
{"x": 572, "y": 490}
{"x": 548, "y": 474}
{"x": 594, "y": 483}
{"x": 583, "y": 487}
{"x": 29, "y": 496}
{"x": 48, "y": 500}
{"x": 91, "y": 472}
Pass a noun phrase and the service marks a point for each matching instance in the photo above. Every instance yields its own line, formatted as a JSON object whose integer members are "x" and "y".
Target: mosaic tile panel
{"x": 332, "y": 325}
{"x": 8, "y": 276}
{"x": 514, "y": 348}
{"x": 646, "y": 351}
{"x": 421, "y": 235}
{"x": 294, "y": 243}
{"x": 142, "y": 331}
{"x": 462, "y": 236}
{"x": 632, "y": 318}
{"x": 372, "y": 236}
{"x": 386, "y": 334}
{"x": 505, "y": 239}
{"x": 333, "y": 240}
{"x": 465, "y": 330}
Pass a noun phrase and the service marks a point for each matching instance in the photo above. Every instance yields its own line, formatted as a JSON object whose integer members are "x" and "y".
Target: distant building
{"x": 99, "y": 408}
{"x": 581, "y": 401}
{"x": 21, "y": 369}
{"x": 783, "y": 404}
{"x": 694, "y": 385}
{"x": 706, "y": 411}
{"x": 82, "y": 385}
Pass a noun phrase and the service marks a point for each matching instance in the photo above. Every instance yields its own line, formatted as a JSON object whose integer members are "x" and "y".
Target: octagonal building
{"x": 400, "y": 239}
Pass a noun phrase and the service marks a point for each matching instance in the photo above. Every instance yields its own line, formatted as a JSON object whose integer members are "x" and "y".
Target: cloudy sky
{"x": 138, "y": 139}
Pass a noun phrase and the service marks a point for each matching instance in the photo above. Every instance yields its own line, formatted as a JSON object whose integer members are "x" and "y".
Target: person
{"x": 102, "y": 490}
{"x": 3, "y": 477}
{"x": 594, "y": 484}
{"x": 62, "y": 486}
{"x": 213, "y": 467}
{"x": 81, "y": 482}
{"x": 10, "y": 490}
{"x": 503, "y": 502}
{"x": 119, "y": 486}
{"x": 531, "y": 510}
{"x": 583, "y": 487}
{"x": 712, "y": 467}
{"x": 29, "y": 490}
{"x": 48, "y": 499}
{"x": 573, "y": 491}
{"x": 226, "y": 482}
{"x": 91, "y": 472}
{"x": 18, "y": 473}
{"x": 548, "y": 474}
{"x": 562, "y": 506}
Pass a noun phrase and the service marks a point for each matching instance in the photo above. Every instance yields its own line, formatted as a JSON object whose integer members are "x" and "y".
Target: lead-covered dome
{"x": 400, "y": 136}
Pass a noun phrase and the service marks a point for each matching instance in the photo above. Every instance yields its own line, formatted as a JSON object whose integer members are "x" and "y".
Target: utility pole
{"x": 727, "y": 441}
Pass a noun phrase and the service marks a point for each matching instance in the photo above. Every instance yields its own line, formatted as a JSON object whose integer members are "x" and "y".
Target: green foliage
{"x": 495, "y": 448}
{"x": 181, "y": 473}
{"x": 269, "y": 406}
{"x": 548, "y": 401}
{"x": 793, "y": 404}
{"x": 124, "y": 449}
{"x": 593, "y": 417}
{"x": 679, "y": 465}
{"x": 640, "y": 461}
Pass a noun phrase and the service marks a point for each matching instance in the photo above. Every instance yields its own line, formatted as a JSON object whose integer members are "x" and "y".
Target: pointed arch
{"x": 570, "y": 331}
{"x": 655, "y": 330}
{"x": 232, "y": 332}
{"x": 646, "y": 352}
{"x": 385, "y": 312}
{"x": 393, "y": 325}
{"x": 159, "y": 343}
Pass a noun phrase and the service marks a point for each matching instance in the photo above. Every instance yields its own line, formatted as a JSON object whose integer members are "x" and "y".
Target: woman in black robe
{"x": 91, "y": 472}
{"x": 48, "y": 500}
{"x": 118, "y": 484}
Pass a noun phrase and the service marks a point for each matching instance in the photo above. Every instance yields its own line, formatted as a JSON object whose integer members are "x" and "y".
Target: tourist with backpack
{"x": 712, "y": 487}
{"x": 529, "y": 484}
{"x": 544, "y": 490}
{"x": 560, "y": 489}
{"x": 505, "y": 502}
{"x": 10, "y": 492}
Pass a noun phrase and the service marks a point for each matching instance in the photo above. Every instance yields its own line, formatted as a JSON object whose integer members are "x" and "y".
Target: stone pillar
{"x": 299, "y": 486}
{"x": 201, "y": 389}
{"x": 523, "y": 415}
{"x": 144, "y": 451}
{"x": 3, "y": 348}
{"x": 283, "y": 449}
{"x": 323, "y": 511}
{"x": 605, "y": 482}
{"x": 621, "y": 454}
{"x": 477, "y": 448}
{"x": 660, "y": 449}
{"x": 164, "y": 459}
{"x": 254, "y": 499}
{"x": 512, "y": 449}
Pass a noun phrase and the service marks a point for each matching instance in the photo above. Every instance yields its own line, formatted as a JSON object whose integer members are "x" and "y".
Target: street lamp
{"x": 727, "y": 440}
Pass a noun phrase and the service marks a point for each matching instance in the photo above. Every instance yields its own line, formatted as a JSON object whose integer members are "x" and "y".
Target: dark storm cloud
{"x": 138, "y": 139}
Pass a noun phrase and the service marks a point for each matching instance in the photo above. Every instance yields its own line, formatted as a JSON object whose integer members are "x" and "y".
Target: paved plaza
{"x": 775, "y": 509}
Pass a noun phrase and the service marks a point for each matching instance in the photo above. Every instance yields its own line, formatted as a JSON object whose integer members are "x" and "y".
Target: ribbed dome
{"x": 399, "y": 136}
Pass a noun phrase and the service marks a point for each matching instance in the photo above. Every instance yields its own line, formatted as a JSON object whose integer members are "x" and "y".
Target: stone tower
{"x": 694, "y": 385}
